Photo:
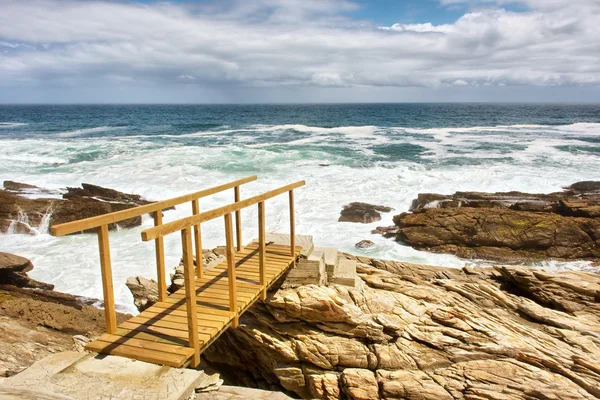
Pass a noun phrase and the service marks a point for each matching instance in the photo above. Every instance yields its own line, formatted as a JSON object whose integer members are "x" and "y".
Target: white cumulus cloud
{"x": 292, "y": 43}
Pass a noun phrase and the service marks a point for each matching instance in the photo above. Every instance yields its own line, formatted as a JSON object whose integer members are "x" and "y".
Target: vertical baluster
{"x": 262, "y": 249}
{"x": 238, "y": 219}
{"x": 231, "y": 269}
{"x": 292, "y": 229}
{"x": 190, "y": 295}
{"x": 160, "y": 259}
{"x": 198, "y": 241}
{"x": 107, "y": 282}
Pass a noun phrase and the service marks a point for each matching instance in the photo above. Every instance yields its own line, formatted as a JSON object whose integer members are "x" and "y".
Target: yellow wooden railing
{"x": 184, "y": 226}
{"x": 101, "y": 223}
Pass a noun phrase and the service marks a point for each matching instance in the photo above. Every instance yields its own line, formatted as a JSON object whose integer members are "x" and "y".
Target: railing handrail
{"x": 117, "y": 216}
{"x": 180, "y": 224}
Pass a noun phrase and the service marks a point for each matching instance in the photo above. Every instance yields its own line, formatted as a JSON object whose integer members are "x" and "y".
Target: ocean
{"x": 377, "y": 153}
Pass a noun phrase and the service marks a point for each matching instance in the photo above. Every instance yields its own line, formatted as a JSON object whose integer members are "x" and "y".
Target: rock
{"x": 386, "y": 231}
{"x": 17, "y": 186}
{"x": 13, "y": 271}
{"x": 362, "y": 213}
{"x": 144, "y": 291}
{"x": 500, "y": 234}
{"x": 365, "y": 244}
{"x": 509, "y": 226}
{"x": 585, "y": 187}
{"x": 240, "y": 393}
{"x": 12, "y": 226}
{"x": 209, "y": 383}
{"x": 13, "y": 263}
{"x": 360, "y": 384}
{"x": 79, "y": 343}
{"x": 423, "y": 332}
{"x": 77, "y": 203}
{"x": 35, "y": 323}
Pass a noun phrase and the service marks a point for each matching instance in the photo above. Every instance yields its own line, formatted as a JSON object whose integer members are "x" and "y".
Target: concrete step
{"x": 84, "y": 376}
{"x": 344, "y": 273}
{"x": 308, "y": 271}
{"x": 306, "y": 241}
{"x": 331, "y": 259}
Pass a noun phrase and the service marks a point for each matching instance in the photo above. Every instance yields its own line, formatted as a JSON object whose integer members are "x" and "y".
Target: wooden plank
{"x": 160, "y": 260}
{"x": 150, "y": 320}
{"x": 198, "y": 240}
{"x": 202, "y": 318}
{"x": 107, "y": 281}
{"x": 175, "y": 333}
{"x": 238, "y": 219}
{"x": 181, "y": 319}
{"x": 292, "y": 227}
{"x": 231, "y": 272}
{"x": 213, "y": 298}
{"x": 223, "y": 286}
{"x": 206, "y": 293}
{"x": 152, "y": 337}
{"x": 178, "y": 225}
{"x": 145, "y": 344}
{"x": 190, "y": 295}
{"x": 176, "y": 304}
{"x": 152, "y": 356}
{"x": 262, "y": 249}
{"x": 106, "y": 219}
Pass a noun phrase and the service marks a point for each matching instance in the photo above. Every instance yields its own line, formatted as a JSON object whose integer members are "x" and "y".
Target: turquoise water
{"x": 379, "y": 153}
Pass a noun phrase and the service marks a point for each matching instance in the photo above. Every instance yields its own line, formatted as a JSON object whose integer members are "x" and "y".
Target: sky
{"x": 299, "y": 51}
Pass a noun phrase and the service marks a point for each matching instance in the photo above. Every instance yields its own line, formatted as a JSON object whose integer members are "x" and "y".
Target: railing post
{"x": 160, "y": 260}
{"x": 292, "y": 229}
{"x": 190, "y": 295}
{"x": 107, "y": 283}
{"x": 238, "y": 219}
{"x": 231, "y": 269}
{"x": 262, "y": 249}
{"x": 198, "y": 241}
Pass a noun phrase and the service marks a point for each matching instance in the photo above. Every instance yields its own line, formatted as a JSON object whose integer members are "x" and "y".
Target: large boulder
{"x": 13, "y": 263}
{"x": 422, "y": 332}
{"x": 144, "y": 291}
{"x": 362, "y": 213}
{"x": 13, "y": 271}
{"x": 500, "y": 234}
{"x": 505, "y": 226}
{"x": 25, "y": 214}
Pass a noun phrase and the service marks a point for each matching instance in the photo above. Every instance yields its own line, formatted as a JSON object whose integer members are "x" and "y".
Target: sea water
{"x": 377, "y": 153}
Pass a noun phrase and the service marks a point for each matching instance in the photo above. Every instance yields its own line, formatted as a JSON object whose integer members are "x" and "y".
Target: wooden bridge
{"x": 181, "y": 325}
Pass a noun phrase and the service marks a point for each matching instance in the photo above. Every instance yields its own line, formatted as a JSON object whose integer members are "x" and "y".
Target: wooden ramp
{"x": 181, "y": 325}
{"x": 160, "y": 333}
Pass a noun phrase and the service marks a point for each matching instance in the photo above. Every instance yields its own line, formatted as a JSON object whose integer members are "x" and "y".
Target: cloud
{"x": 292, "y": 43}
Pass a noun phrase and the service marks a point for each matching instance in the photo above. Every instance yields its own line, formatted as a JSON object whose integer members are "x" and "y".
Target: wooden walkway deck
{"x": 160, "y": 333}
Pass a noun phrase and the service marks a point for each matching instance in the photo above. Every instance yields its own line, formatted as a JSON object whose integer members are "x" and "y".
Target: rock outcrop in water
{"x": 24, "y": 208}
{"x": 509, "y": 227}
{"x": 362, "y": 213}
{"x": 422, "y": 332}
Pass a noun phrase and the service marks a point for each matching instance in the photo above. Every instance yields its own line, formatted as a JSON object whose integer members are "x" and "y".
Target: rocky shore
{"x": 25, "y": 209}
{"x": 510, "y": 227}
{"x": 403, "y": 331}
{"x": 36, "y": 321}
{"x": 410, "y": 331}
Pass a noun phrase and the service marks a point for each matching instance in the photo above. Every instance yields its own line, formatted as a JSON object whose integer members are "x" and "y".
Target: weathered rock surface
{"x": 422, "y": 332}
{"x": 13, "y": 271}
{"x": 362, "y": 213}
{"x": 36, "y": 321}
{"x": 509, "y": 227}
{"x": 365, "y": 244}
{"x": 26, "y": 214}
{"x": 144, "y": 291}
